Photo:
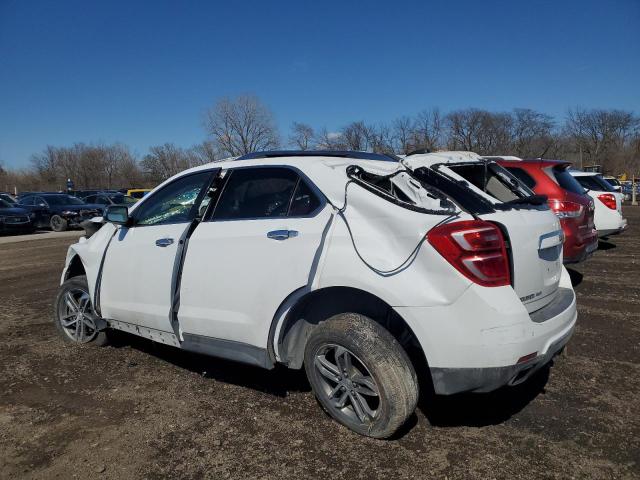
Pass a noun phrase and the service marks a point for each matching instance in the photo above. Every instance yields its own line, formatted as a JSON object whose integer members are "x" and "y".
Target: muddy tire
{"x": 58, "y": 224}
{"x": 361, "y": 375}
{"x": 73, "y": 314}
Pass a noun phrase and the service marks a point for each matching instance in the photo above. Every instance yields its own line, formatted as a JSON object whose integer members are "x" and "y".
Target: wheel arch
{"x": 75, "y": 267}
{"x": 289, "y": 332}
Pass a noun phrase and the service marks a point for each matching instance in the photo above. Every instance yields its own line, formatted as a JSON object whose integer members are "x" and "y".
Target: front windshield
{"x": 5, "y": 204}
{"x": 63, "y": 200}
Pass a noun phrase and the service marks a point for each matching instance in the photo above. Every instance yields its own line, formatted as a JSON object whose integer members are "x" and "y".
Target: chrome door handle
{"x": 164, "y": 242}
{"x": 281, "y": 234}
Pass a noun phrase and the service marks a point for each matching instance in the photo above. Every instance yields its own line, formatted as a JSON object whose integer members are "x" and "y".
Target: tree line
{"x": 606, "y": 137}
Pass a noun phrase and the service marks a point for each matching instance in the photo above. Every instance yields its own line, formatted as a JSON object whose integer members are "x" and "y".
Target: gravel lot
{"x": 139, "y": 410}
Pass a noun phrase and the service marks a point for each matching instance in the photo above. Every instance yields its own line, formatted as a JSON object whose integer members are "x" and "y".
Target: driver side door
{"x": 139, "y": 273}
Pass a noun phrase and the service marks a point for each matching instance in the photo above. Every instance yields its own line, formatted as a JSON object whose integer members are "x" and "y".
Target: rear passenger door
{"x": 261, "y": 242}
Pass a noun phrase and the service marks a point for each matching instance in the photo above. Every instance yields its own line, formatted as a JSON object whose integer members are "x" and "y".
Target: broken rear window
{"x": 404, "y": 190}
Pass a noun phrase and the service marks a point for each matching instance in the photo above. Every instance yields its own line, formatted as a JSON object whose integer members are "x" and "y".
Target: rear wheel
{"x": 58, "y": 224}
{"x": 74, "y": 317}
{"x": 361, "y": 375}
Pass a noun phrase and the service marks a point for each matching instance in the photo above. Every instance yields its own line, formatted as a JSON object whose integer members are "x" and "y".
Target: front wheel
{"x": 73, "y": 313}
{"x": 361, "y": 375}
{"x": 58, "y": 224}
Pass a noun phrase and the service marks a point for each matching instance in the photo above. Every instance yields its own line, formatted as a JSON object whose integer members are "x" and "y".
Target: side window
{"x": 175, "y": 203}
{"x": 101, "y": 200}
{"x": 89, "y": 199}
{"x": 40, "y": 201}
{"x": 27, "y": 201}
{"x": 523, "y": 176}
{"x": 304, "y": 200}
{"x": 256, "y": 193}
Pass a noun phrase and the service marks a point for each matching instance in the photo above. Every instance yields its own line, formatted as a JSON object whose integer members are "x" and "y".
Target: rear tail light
{"x": 476, "y": 249}
{"x": 566, "y": 209}
{"x": 608, "y": 199}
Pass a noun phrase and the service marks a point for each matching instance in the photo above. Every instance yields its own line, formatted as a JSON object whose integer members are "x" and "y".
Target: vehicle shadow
{"x": 606, "y": 245}
{"x": 467, "y": 409}
{"x": 279, "y": 382}
{"x": 576, "y": 277}
{"x": 481, "y": 409}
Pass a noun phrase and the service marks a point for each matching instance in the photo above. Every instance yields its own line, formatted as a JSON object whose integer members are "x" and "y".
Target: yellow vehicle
{"x": 138, "y": 193}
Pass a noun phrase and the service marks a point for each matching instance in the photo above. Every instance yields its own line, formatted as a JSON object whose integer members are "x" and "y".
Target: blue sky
{"x": 142, "y": 73}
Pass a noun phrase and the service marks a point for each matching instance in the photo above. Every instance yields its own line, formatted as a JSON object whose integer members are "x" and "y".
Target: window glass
{"x": 62, "y": 200}
{"x": 593, "y": 182}
{"x": 567, "y": 181}
{"x": 173, "y": 203}
{"x": 100, "y": 200}
{"x": 89, "y": 199}
{"x": 27, "y": 200}
{"x": 304, "y": 200}
{"x": 492, "y": 179}
{"x": 256, "y": 193}
{"x": 521, "y": 175}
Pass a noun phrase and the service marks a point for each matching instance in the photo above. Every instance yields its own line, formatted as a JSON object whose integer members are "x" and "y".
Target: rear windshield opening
{"x": 494, "y": 180}
{"x": 403, "y": 189}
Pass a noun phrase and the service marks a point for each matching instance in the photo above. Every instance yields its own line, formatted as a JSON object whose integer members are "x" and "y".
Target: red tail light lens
{"x": 566, "y": 209}
{"x": 476, "y": 249}
{"x": 608, "y": 199}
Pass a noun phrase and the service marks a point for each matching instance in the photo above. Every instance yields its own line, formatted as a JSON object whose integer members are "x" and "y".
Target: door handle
{"x": 164, "y": 242}
{"x": 281, "y": 234}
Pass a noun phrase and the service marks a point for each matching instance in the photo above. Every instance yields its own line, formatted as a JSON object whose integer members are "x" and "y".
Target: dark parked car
{"x": 14, "y": 219}
{"x": 7, "y": 197}
{"x": 110, "y": 198}
{"x": 59, "y": 210}
{"x": 85, "y": 193}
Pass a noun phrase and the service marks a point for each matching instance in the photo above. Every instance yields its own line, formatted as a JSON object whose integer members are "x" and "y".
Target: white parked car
{"x": 365, "y": 270}
{"x": 608, "y": 217}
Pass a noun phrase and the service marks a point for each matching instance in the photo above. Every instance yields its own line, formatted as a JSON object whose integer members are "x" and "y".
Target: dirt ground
{"x": 139, "y": 410}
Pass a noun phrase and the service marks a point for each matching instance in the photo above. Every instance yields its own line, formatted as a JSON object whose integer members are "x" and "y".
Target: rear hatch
{"x": 533, "y": 232}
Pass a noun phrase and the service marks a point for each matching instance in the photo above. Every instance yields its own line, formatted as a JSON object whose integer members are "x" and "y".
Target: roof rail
{"x": 321, "y": 153}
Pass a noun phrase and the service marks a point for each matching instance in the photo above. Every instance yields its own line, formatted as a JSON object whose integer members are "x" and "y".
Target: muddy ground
{"x": 137, "y": 410}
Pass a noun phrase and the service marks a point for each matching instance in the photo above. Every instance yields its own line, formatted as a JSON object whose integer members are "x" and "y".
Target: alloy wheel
{"x": 347, "y": 383}
{"x": 75, "y": 314}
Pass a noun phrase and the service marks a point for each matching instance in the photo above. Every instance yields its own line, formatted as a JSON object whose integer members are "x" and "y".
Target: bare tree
{"x": 301, "y": 136}
{"x": 599, "y": 133}
{"x": 205, "y": 152}
{"x": 428, "y": 129}
{"x": 532, "y": 134}
{"x": 327, "y": 140}
{"x": 241, "y": 126}
{"x": 164, "y": 161}
{"x": 358, "y": 136}
{"x": 403, "y": 135}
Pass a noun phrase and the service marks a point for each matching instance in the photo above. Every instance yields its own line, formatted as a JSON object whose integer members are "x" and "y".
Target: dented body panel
{"x": 238, "y": 286}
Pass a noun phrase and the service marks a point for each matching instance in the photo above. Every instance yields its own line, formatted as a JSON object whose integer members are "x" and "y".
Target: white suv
{"x": 363, "y": 269}
{"x": 607, "y": 215}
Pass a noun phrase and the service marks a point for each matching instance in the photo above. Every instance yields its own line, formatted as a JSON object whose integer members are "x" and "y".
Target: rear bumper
{"x": 577, "y": 248}
{"x": 614, "y": 231}
{"x": 447, "y": 381}
{"x": 487, "y": 339}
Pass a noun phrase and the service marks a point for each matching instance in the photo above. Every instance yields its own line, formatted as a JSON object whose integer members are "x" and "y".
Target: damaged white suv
{"x": 363, "y": 269}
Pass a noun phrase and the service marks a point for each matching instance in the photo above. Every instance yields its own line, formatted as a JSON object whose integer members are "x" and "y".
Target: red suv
{"x": 566, "y": 198}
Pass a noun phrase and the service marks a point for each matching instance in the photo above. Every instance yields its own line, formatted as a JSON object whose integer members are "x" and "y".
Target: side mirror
{"x": 118, "y": 214}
